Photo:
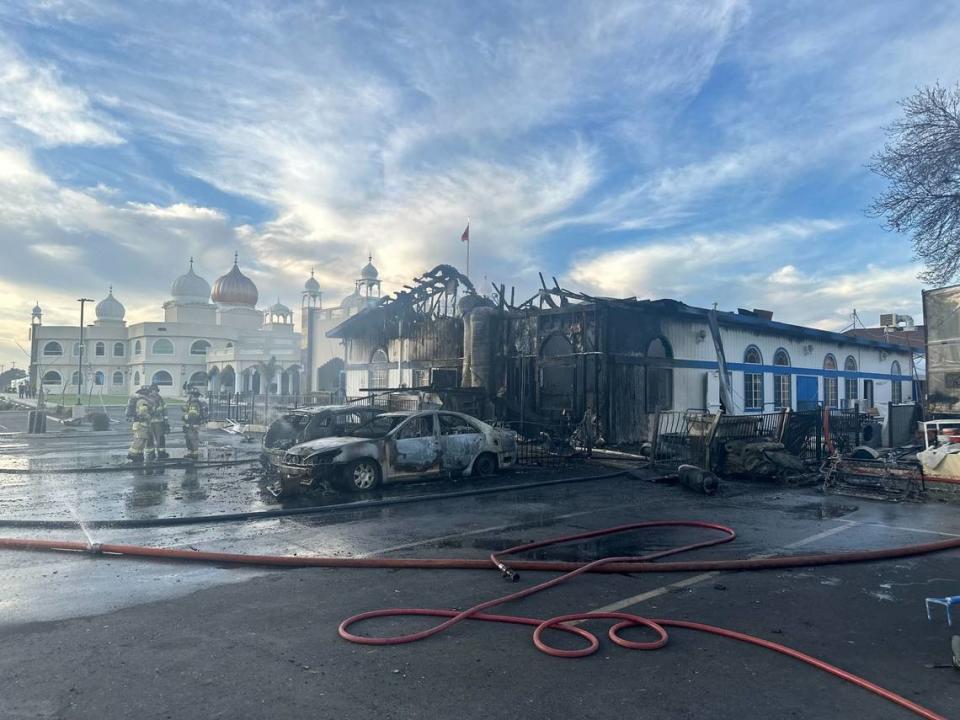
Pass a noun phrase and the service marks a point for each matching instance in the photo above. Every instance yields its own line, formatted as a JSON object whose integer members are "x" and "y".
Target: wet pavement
{"x": 105, "y": 637}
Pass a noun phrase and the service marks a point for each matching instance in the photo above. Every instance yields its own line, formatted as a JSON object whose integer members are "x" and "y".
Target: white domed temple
{"x": 213, "y": 338}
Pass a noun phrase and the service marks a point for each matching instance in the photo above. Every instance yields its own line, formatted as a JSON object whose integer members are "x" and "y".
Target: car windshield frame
{"x": 365, "y": 430}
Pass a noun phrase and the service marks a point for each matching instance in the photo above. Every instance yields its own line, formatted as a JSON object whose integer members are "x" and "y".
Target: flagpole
{"x": 468, "y": 247}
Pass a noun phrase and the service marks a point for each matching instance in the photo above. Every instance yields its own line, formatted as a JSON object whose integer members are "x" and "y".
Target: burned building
{"x": 548, "y": 359}
{"x": 412, "y": 339}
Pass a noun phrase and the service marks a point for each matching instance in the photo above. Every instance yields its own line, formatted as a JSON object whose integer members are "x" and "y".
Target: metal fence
{"x": 699, "y": 438}
{"x": 902, "y": 421}
{"x": 545, "y": 445}
{"x": 682, "y": 437}
{"x": 803, "y": 433}
{"x": 247, "y": 408}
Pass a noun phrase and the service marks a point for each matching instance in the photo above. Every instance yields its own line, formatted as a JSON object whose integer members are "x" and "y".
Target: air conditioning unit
{"x": 894, "y": 322}
{"x": 848, "y": 404}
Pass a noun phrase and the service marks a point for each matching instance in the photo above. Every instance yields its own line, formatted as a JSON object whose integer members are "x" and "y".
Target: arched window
{"x": 98, "y": 377}
{"x": 896, "y": 387}
{"x": 830, "y": 389}
{"x": 198, "y": 379}
{"x": 379, "y": 374}
{"x": 850, "y": 383}
{"x": 162, "y": 347}
{"x": 53, "y": 349}
{"x": 782, "y": 382}
{"x": 76, "y": 379}
{"x": 136, "y": 378}
{"x": 229, "y": 344}
{"x": 137, "y": 348}
{"x": 118, "y": 378}
{"x": 118, "y": 349}
{"x": 752, "y": 381}
{"x": 100, "y": 349}
{"x": 659, "y": 385}
{"x": 52, "y": 377}
{"x": 199, "y": 347}
{"x": 162, "y": 378}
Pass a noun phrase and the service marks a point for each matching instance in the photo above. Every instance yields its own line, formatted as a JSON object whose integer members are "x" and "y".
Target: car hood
{"x": 312, "y": 447}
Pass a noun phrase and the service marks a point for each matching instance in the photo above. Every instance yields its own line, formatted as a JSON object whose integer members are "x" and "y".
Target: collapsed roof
{"x": 441, "y": 292}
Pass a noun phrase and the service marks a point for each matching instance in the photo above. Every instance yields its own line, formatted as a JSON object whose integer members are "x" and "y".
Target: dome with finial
{"x": 353, "y": 300}
{"x": 369, "y": 272}
{"x": 36, "y": 310}
{"x": 190, "y": 287}
{"x": 110, "y": 308}
{"x": 311, "y": 285}
{"x": 279, "y": 308}
{"x": 235, "y": 288}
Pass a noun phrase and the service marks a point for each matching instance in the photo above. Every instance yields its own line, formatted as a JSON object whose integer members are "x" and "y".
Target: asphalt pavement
{"x": 102, "y": 637}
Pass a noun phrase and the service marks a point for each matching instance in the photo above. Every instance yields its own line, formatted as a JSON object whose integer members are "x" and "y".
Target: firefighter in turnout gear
{"x": 140, "y": 409}
{"x": 194, "y": 415}
{"x": 159, "y": 425}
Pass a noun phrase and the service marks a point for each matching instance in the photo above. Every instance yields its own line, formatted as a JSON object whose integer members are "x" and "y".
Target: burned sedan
{"x": 400, "y": 446}
{"x": 310, "y": 423}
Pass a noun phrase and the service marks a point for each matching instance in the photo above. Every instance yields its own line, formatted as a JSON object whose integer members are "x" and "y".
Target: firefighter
{"x": 159, "y": 425}
{"x": 194, "y": 415}
{"x": 588, "y": 430}
{"x": 140, "y": 409}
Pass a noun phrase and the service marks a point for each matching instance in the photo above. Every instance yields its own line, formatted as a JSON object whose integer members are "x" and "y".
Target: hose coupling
{"x": 94, "y": 548}
{"x": 507, "y": 573}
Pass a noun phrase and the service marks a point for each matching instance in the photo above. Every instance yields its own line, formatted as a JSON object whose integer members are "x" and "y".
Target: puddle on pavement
{"x": 613, "y": 546}
{"x": 822, "y": 511}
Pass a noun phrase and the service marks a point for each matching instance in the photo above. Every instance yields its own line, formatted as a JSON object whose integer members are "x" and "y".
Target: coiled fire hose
{"x": 626, "y": 564}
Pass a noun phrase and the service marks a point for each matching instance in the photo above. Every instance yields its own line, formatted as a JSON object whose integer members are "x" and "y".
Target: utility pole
{"x": 82, "y": 302}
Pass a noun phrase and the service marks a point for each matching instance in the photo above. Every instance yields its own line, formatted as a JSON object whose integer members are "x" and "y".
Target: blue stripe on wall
{"x": 781, "y": 370}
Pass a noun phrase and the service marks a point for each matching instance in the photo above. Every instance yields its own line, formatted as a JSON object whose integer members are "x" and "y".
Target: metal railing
{"x": 544, "y": 445}
{"x": 682, "y": 437}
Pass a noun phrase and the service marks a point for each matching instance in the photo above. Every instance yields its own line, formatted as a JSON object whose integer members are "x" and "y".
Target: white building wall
{"x": 139, "y": 368}
{"x": 695, "y": 357}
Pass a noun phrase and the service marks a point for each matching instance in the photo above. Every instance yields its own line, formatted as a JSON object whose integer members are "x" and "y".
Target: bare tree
{"x": 922, "y": 162}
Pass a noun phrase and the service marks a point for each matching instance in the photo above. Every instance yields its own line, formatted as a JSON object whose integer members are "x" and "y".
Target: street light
{"x": 82, "y": 302}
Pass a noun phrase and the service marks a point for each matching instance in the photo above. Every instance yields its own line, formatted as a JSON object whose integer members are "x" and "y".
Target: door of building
{"x": 806, "y": 392}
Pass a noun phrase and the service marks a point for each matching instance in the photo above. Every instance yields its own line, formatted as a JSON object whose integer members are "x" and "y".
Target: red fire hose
{"x": 642, "y": 563}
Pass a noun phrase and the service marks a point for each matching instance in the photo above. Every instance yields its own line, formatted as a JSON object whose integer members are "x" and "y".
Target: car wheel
{"x": 485, "y": 464}
{"x": 362, "y": 475}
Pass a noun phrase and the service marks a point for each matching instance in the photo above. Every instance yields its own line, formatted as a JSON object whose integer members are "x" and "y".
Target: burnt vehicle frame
{"x": 399, "y": 446}
{"x": 310, "y": 423}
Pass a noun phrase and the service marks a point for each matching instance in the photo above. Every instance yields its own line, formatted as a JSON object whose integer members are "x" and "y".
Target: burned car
{"x": 399, "y": 446}
{"x": 310, "y": 423}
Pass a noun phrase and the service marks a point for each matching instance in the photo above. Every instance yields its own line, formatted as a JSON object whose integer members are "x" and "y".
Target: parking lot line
{"x": 702, "y": 577}
{"x": 909, "y": 529}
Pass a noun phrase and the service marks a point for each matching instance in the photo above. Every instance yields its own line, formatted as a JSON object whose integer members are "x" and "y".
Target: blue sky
{"x": 711, "y": 152}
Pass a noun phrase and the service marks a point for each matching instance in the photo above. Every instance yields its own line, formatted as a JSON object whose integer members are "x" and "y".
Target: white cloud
{"x": 59, "y": 254}
{"x": 177, "y": 211}
{"x": 743, "y": 269}
{"x": 33, "y": 97}
{"x": 681, "y": 265}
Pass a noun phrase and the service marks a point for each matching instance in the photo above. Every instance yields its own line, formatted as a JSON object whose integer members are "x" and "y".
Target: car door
{"x": 415, "y": 447}
{"x": 460, "y": 442}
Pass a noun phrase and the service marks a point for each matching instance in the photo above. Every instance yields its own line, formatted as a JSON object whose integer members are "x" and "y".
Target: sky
{"x": 712, "y": 152}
